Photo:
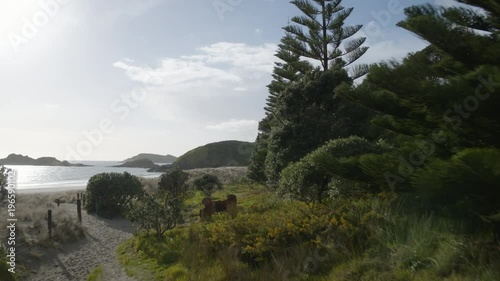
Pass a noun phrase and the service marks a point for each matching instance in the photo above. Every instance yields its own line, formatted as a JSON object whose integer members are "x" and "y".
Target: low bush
{"x": 311, "y": 178}
{"x": 108, "y": 193}
{"x": 207, "y": 183}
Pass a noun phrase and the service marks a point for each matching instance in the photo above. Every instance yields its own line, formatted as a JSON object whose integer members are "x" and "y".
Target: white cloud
{"x": 389, "y": 49}
{"x": 256, "y": 58}
{"x": 234, "y": 125}
{"x": 193, "y": 87}
{"x": 172, "y": 72}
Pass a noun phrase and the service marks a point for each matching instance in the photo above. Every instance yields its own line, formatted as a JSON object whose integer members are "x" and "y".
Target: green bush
{"x": 157, "y": 212}
{"x": 173, "y": 182}
{"x": 207, "y": 183}
{"x": 3, "y": 182}
{"x": 108, "y": 193}
{"x": 468, "y": 183}
{"x": 329, "y": 166}
{"x": 5, "y": 275}
{"x": 165, "y": 209}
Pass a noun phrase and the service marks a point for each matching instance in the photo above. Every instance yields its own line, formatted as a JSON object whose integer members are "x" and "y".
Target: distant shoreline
{"x": 49, "y": 189}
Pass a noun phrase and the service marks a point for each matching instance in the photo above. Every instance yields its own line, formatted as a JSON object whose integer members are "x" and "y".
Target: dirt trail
{"x": 77, "y": 260}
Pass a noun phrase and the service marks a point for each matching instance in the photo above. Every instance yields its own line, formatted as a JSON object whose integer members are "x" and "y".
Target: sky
{"x": 105, "y": 80}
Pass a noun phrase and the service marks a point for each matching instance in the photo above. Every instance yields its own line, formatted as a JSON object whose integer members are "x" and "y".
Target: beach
{"x": 75, "y": 258}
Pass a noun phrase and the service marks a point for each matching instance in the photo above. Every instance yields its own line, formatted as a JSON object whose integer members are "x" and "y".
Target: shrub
{"x": 207, "y": 183}
{"x": 108, "y": 193}
{"x": 337, "y": 161}
{"x": 165, "y": 209}
{"x": 173, "y": 182}
{"x": 3, "y": 181}
{"x": 157, "y": 213}
{"x": 5, "y": 275}
{"x": 468, "y": 183}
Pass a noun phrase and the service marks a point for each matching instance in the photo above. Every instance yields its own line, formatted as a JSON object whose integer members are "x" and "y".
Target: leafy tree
{"x": 173, "y": 182}
{"x": 166, "y": 209}
{"x": 321, "y": 34}
{"x": 109, "y": 193}
{"x": 157, "y": 212}
{"x": 208, "y": 184}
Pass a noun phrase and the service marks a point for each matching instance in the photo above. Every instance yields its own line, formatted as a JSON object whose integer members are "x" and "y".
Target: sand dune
{"x": 75, "y": 261}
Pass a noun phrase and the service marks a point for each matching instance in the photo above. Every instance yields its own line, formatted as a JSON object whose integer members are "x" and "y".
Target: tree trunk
{"x": 325, "y": 43}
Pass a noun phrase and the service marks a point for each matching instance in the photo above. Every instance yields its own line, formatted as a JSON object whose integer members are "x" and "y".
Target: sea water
{"x": 50, "y": 177}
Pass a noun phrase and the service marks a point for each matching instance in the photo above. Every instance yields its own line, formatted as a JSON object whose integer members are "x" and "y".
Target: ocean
{"x": 48, "y": 177}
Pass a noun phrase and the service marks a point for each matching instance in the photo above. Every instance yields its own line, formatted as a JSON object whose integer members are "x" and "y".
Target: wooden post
{"x": 49, "y": 221}
{"x": 83, "y": 199}
{"x": 79, "y": 209}
{"x": 58, "y": 201}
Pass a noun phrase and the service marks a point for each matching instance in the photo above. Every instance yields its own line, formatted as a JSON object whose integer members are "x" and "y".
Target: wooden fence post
{"x": 49, "y": 221}
{"x": 58, "y": 201}
{"x": 79, "y": 209}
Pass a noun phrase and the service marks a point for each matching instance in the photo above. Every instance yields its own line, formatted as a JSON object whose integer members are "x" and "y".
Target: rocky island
{"x": 21, "y": 160}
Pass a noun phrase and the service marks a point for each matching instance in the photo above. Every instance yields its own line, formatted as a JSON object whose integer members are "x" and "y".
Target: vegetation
{"x": 329, "y": 167}
{"x": 213, "y": 155}
{"x": 96, "y": 274}
{"x": 165, "y": 209}
{"x": 207, "y": 183}
{"x": 108, "y": 194}
{"x": 364, "y": 238}
{"x": 155, "y": 158}
{"x": 396, "y": 178}
{"x": 302, "y": 113}
{"x": 3, "y": 182}
{"x": 5, "y": 275}
{"x": 326, "y": 39}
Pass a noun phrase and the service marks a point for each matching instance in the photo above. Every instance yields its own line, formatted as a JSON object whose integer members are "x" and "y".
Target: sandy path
{"x": 76, "y": 261}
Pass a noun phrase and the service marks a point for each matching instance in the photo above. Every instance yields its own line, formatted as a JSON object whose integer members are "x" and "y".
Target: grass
{"x": 272, "y": 238}
{"x": 96, "y": 274}
{"x": 31, "y": 227}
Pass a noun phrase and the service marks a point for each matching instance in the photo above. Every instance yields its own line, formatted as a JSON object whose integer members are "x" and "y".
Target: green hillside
{"x": 219, "y": 154}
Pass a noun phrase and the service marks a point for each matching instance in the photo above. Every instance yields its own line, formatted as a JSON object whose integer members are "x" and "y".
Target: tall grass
{"x": 31, "y": 226}
{"x": 369, "y": 238}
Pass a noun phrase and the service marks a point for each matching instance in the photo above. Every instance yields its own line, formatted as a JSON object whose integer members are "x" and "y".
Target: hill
{"x": 218, "y": 154}
{"x": 155, "y": 158}
{"x": 21, "y": 160}
{"x": 140, "y": 163}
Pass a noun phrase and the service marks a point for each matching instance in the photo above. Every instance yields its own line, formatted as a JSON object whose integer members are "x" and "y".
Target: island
{"x": 155, "y": 158}
{"x": 140, "y": 163}
{"x": 212, "y": 155}
{"x": 21, "y": 160}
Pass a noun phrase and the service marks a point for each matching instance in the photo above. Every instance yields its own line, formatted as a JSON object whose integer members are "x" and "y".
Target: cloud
{"x": 255, "y": 58}
{"x": 206, "y": 84}
{"x": 234, "y": 125}
{"x": 389, "y": 49}
{"x": 175, "y": 72}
